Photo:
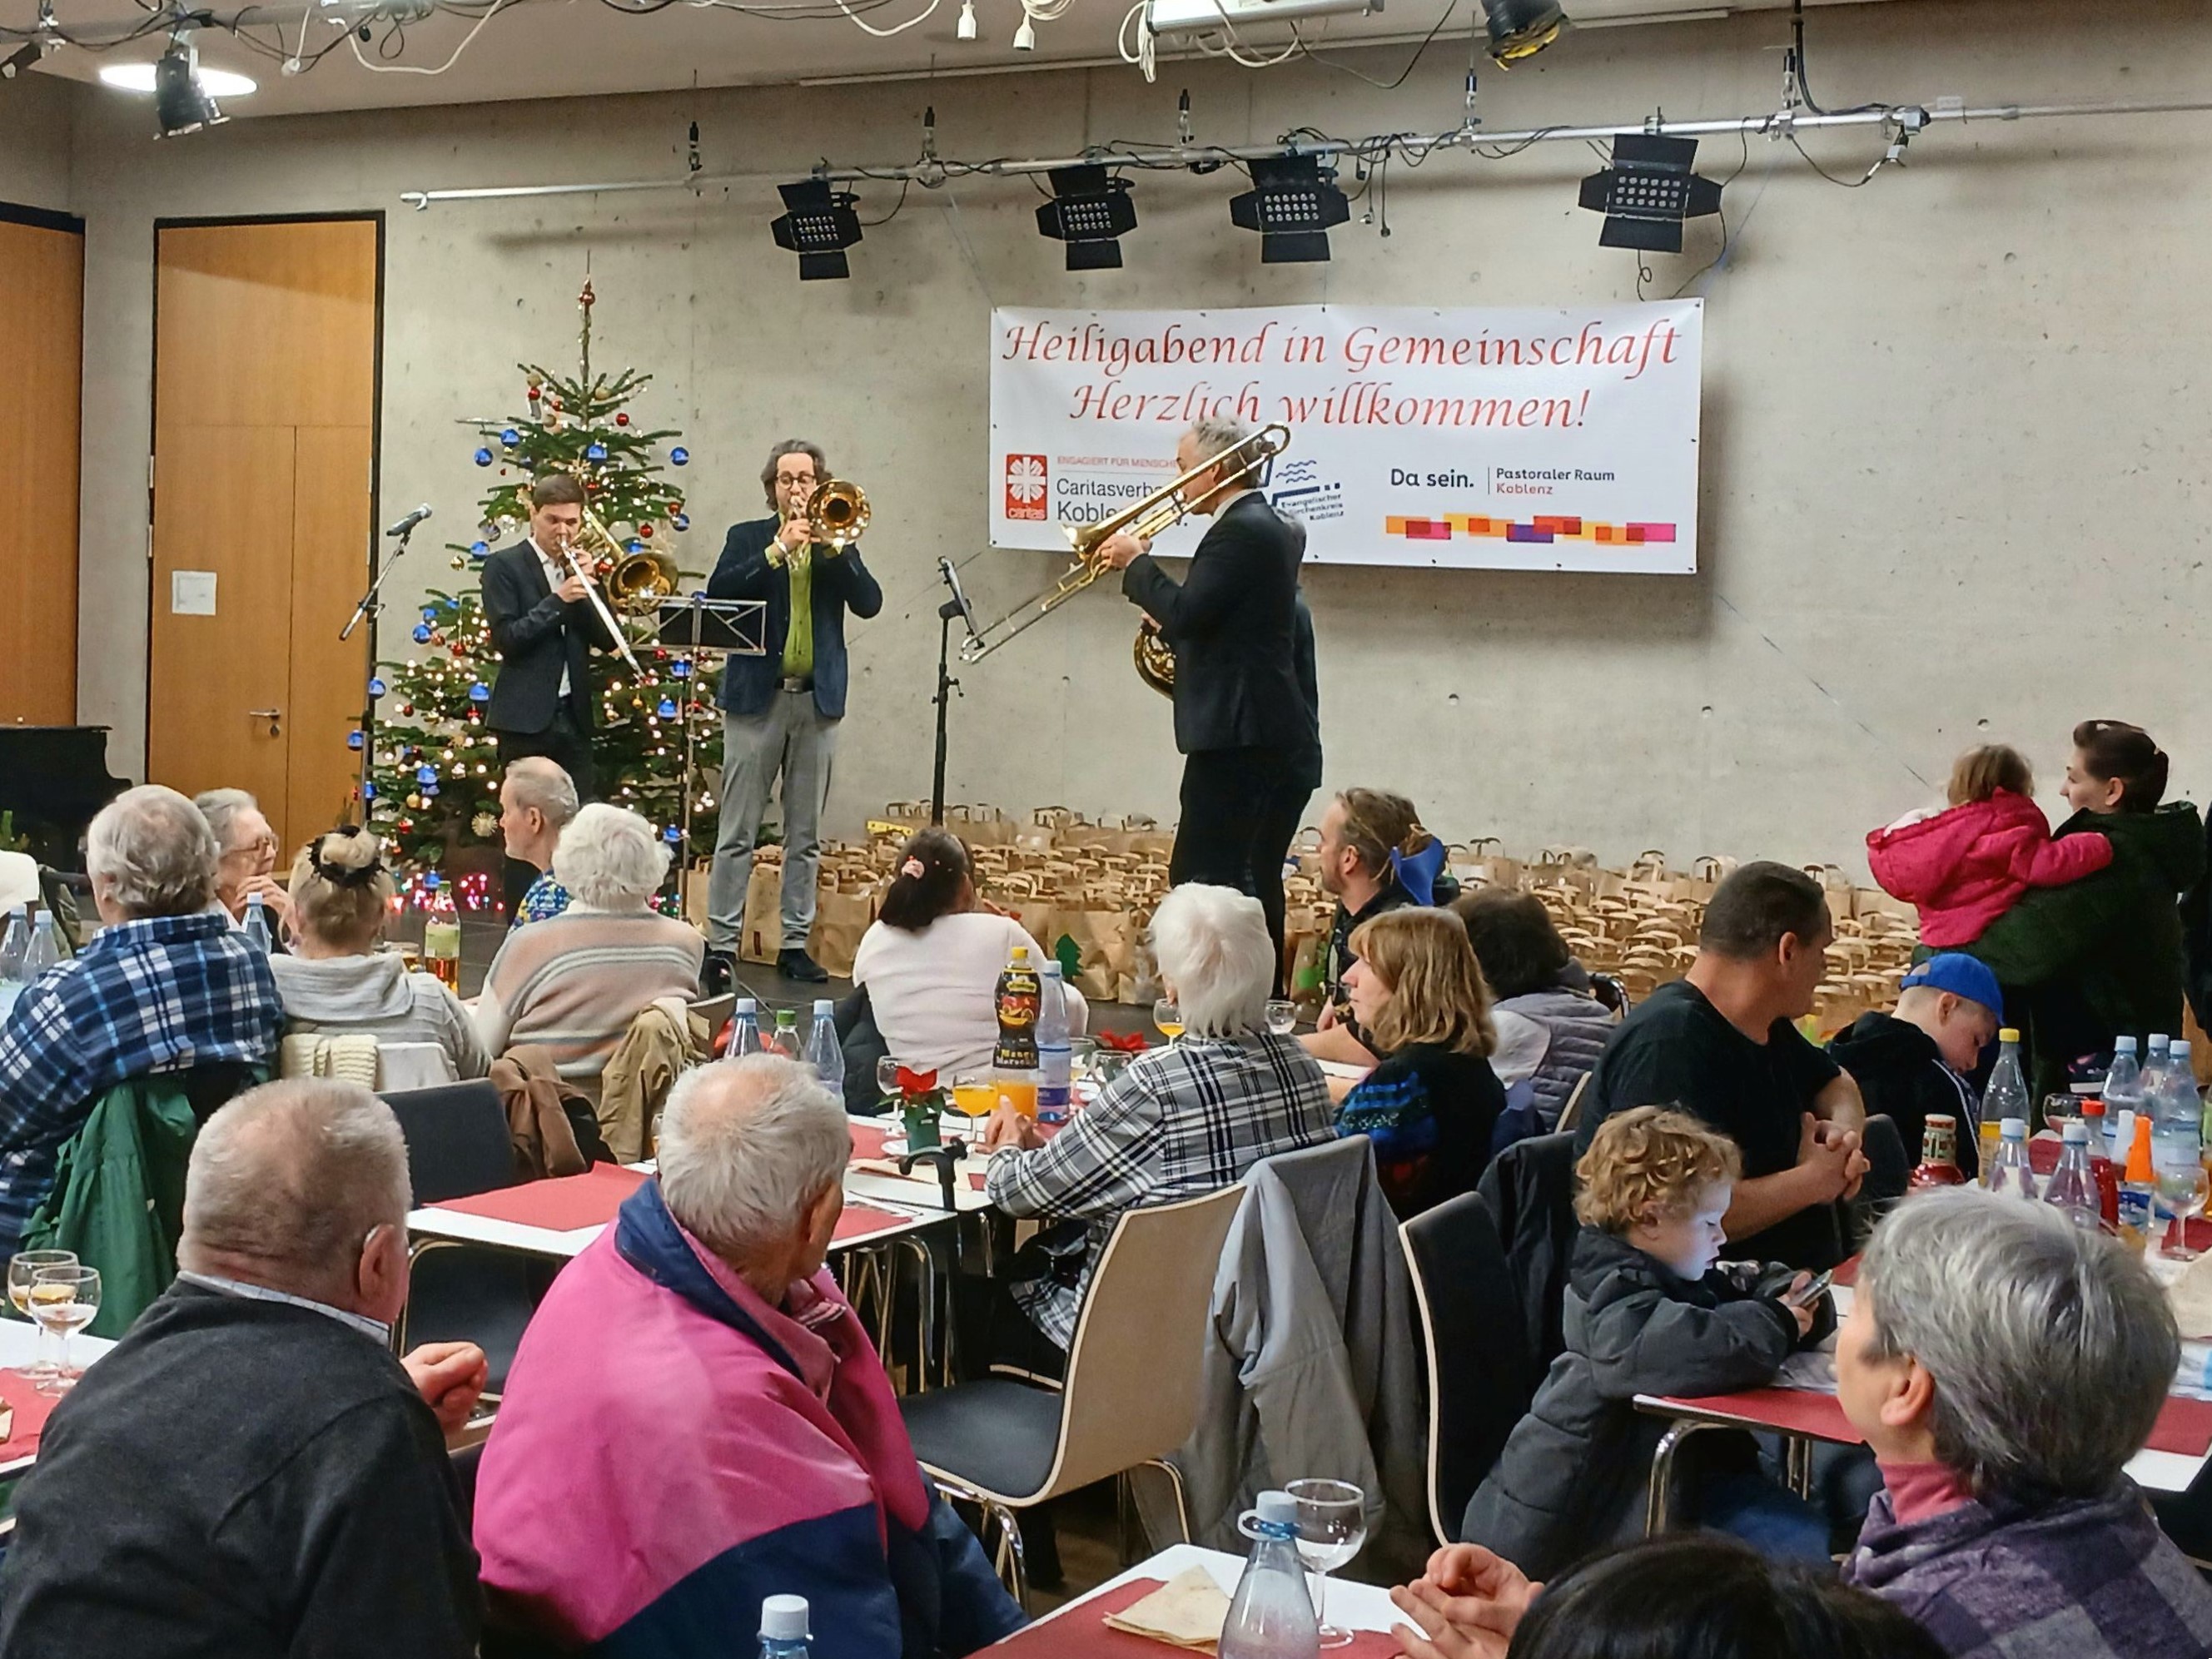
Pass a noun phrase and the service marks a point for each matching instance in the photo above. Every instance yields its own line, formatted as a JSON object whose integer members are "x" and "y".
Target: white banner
{"x": 1527, "y": 440}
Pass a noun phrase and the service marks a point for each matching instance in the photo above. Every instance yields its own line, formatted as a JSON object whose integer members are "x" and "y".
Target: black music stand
{"x": 699, "y": 626}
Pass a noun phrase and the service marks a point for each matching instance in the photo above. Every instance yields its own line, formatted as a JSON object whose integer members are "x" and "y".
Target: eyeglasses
{"x": 788, "y": 478}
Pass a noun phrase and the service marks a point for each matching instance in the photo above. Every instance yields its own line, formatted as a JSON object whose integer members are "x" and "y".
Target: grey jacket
{"x": 1573, "y": 1478}
{"x": 1291, "y": 1386}
{"x": 1579, "y": 1027}
{"x": 376, "y": 996}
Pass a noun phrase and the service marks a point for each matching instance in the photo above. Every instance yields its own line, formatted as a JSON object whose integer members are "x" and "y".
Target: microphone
{"x": 410, "y": 520}
{"x": 959, "y": 598}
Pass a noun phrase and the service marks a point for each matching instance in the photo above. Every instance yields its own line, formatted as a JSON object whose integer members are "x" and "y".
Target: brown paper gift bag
{"x": 1107, "y": 940}
{"x": 840, "y": 919}
{"x": 761, "y": 936}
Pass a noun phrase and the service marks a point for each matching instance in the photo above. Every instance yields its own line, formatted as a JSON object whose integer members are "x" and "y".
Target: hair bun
{"x": 350, "y": 856}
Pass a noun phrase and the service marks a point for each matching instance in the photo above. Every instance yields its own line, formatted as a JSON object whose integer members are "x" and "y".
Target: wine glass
{"x": 1168, "y": 1017}
{"x": 975, "y": 1094}
{"x": 1282, "y": 1016}
{"x": 64, "y": 1301}
{"x": 2182, "y": 1190}
{"x": 22, "y": 1268}
{"x": 887, "y": 1071}
{"x": 1332, "y": 1528}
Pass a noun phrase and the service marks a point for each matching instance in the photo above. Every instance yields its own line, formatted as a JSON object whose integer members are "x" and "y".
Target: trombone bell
{"x": 839, "y": 512}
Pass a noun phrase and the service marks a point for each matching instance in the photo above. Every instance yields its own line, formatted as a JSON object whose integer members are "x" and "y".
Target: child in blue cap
{"x": 1916, "y": 1060}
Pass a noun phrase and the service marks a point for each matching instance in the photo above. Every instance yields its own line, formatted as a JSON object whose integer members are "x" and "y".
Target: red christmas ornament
{"x": 405, "y": 825}
{"x": 592, "y": 485}
{"x": 645, "y": 530}
{"x": 555, "y": 402}
{"x": 621, "y": 419}
{"x": 406, "y": 708}
{"x": 535, "y": 394}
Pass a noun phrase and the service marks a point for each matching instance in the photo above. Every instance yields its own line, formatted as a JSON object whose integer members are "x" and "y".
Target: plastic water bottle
{"x": 15, "y": 946}
{"x": 45, "y": 950}
{"x": 2177, "y": 1135}
{"x": 2005, "y": 1097}
{"x": 783, "y": 1627}
{"x": 257, "y": 924}
{"x": 2071, "y": 1189}
{"x": 784, "y": 1039}
{"x": 2153, "y": 1070}
{"x": 1056, "y": 1057}
{"x": 2010, "y": 1173}
{"x": 823, "y": 1052}
{"x": 1272, "y": 1616}
{"x": 2122, "y": 1093}
{"x": 745, "y": 1029}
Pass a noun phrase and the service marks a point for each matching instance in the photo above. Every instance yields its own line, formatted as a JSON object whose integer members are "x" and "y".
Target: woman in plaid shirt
{"x": 1188, "y": 1119}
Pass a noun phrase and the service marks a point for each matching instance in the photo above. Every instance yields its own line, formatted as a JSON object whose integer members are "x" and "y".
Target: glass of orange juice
{"x": 975, "y": 1094}
{"x": 1168, "y": 1017}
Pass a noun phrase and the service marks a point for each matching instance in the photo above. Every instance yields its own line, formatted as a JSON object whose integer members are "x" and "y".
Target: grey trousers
{"x": 794, "y": 737}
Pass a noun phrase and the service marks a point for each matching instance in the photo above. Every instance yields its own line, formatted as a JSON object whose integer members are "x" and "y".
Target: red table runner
{"x": 859, "y": 1220}
{"x": 32, "y": 1411}
{"x": 1082, "y": 1632}
{"x": 562, "y": 1205}
{"x": 2183, "y": 1425}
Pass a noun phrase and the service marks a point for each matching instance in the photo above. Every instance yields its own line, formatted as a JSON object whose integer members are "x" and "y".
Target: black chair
{"x": 1478, "y": 1356}
{"x": 458, "y": 1146}
{"x": 1530, "y": 1189}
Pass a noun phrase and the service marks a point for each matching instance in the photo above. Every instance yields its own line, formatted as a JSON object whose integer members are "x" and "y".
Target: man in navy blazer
{"x": 780, "y": 711}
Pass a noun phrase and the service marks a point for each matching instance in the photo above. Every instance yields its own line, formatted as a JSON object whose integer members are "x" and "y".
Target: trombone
{"x": 630, "y": 584}
{"x": 1248, "y": 459}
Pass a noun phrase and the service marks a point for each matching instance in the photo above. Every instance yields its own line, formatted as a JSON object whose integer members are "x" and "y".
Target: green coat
{"x": 118, "y": 1196}
{"x": 2102, "y": 956}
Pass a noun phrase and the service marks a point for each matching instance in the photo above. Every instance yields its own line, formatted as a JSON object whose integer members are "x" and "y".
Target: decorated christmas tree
{"x": 435, "y": 769}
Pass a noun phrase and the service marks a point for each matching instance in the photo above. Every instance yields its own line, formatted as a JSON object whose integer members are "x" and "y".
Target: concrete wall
{"x": 34, "y": 140}
{"x": 1955, "y": 478}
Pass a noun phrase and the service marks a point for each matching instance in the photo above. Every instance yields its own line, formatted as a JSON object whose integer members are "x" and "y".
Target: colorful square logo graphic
{"x": 1029, "y": 487}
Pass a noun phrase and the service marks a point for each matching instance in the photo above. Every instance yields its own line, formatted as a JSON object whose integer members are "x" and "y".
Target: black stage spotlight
{"x": 1293, "y": 203}
{"x": 1090, "y": 212}
{"x": 1522, "y": 28}
{"x": 181, "y": 104}
{"x": 1647, "y": 191}
{"x": 818, "y": 225}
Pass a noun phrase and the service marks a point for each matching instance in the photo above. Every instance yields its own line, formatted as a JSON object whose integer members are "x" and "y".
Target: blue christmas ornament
{"x": 353, "y": 740}
{"x": 510, "y": 437}
{"x": 429, "y": 790}
{"x": 595, "y": 451}
{"x": 429, "y": 615}
{"x": 426, "y": 774}
{"x": 480, "y": 549}
{"x": 667, "y": 709}
{"x": 672, "y": 834}
{"x": 376, "y": 687}
{"x": 367, "y": 791}
{"x": 422, "y": 632}
{"x": 679, "y": 521}
{"x": 679, "y": 456}
{"x": 680, "y": 669}
{"x": 484, "y": 457}
{"x": 432, "y": 881}
{"x": 480, "y": 692}
{"x": 634, "y": 546}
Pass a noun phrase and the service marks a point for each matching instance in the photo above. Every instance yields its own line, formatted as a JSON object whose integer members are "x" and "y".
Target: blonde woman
{"x": 335, "y": 982}
{"x": 1431, "y": 1101}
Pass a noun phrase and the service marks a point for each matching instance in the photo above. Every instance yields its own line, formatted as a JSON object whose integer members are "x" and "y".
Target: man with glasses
{"x": 780, "y": 711}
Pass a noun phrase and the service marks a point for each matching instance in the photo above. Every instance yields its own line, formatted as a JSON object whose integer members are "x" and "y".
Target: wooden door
{"x": 266, "y": 339}
{"x": 42, "y": 343}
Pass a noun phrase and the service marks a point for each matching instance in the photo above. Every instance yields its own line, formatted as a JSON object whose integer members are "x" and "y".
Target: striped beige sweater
{"x": 571, "y": 983}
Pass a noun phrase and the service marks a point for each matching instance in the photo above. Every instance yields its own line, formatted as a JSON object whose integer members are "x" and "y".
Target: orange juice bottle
{"x": 2139, "y": 1186}
{"x": 1014, "y": 1057}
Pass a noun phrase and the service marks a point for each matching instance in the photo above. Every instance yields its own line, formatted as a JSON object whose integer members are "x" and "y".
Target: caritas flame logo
{"x": 1029, "y": 487}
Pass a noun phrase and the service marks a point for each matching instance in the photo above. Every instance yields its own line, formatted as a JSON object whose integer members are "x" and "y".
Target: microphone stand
{"x": 371, "y": 604}
{"x": 946, "y": 685}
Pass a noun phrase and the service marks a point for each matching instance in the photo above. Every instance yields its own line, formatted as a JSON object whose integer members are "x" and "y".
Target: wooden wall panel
{"x": 42, "y": 343}
{"x": 330, "y": 680}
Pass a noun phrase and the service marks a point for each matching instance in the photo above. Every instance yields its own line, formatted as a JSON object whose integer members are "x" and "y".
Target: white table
{"x": 19, "y": 1346}
{"x": 1351, "y": 1605}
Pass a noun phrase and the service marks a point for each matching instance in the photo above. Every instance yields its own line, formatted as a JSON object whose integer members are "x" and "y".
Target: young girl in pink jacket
{"x": 1966, "y": 866}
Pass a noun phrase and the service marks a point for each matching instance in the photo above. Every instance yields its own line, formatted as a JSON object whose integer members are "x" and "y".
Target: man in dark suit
{"x": 780, "y": 711}
{"x": 544, "y": 628}
{"x": 1248, "y": 728}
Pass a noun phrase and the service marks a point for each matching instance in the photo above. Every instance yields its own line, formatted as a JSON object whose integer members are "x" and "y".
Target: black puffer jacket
{"x": 1572, "y": 1478}
{"x": 1901, "y": 1072}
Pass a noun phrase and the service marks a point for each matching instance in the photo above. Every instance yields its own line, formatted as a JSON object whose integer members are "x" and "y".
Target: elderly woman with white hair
{"x": 573, "y": 983}
{"x": 2004, "y": 1367}
{"x": 740, "y": 1439}
{"x": 1181, "y": 1120}
{"x": 245, "y": 858}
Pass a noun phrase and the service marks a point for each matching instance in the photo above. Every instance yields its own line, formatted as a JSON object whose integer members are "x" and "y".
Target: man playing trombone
{"x": 543, "y": 626}
{"x": 1248, "y": 735}
{"x": 780, "y": 711}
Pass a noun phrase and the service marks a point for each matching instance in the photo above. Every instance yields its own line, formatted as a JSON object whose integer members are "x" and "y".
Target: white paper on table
{"x": 191, "y": 593}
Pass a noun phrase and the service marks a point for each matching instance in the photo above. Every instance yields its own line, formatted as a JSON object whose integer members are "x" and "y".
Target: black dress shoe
{"x": 718, "y": 971}
{"x": 793, "y": 962}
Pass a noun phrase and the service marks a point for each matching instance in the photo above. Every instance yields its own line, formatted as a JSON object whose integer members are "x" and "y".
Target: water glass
{"x": 22, "y": 1268}
{"x": 1332, "y": 1529}
{"x": 887, "y": 1071}
{"x": 1282, "y": 1016}
{"x": 64, "y": 1300}
{"x": 2181, "y": 1194}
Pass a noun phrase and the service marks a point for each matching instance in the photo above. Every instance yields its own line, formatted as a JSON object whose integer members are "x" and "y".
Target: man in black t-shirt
{"x": 1720, "y": 1043}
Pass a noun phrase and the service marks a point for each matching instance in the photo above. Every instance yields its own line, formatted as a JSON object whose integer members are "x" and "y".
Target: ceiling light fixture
{"x": 1522, "y": 28}
{"x": 139, "y": 77}
{"x": 1293, "y": 203}
{"x": 1647, "y": 191}
{"x": 1091, "y": 212}
{"x": 819, "y": 225}
{"x": 965, "y": 29}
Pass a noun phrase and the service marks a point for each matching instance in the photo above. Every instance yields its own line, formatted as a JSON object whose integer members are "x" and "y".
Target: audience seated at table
{"x": 1550, "y": 1028}
{"x": 695, "y": 1419}
{"x": 1917, "y": 1060}
{"x": 1648, "y": 1312}
{"x": 1374, "y": 857}
{"x": 1720, "y": 1043}
{"x": 250, "y": 1472}
{"x": 1431, "y": 1103}
{"x": 1688, "y": 1597}
{"x": 1186, "y": 1119}
{"x": 2004, "y": 1367}
{"x": 536, "y": 799}
{"x": 168, "y": 984}
{"x": 2104, "y": 955}
{"x": 573, "y": 983}
{"x": 246, "y": 859}
{"x": 336, "y": 981}
{"x": 930, "y": 962}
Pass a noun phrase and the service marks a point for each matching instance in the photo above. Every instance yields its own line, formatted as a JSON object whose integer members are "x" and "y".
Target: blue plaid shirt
{"x": 163, "y": 993}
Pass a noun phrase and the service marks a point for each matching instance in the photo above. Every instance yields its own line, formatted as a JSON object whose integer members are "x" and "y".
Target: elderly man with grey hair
{"x": 1185, "y": 1120}
{"x": 2004, "y": 1367}
{"x": 739, "y": 1439}
{"x": 536, "y": 799}
{"x": 250, "y": 1472}
{"x": 166, "y": 986}
{"x": 1249, "y": 735}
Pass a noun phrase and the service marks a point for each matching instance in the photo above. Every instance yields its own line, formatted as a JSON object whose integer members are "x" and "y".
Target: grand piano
{"x": 53, "y": 780}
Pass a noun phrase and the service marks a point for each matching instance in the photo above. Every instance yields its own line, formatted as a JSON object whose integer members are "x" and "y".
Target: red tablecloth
{"x": 561, "y": 1205}
{"x": 858, "y": 1220}
{"x": 1082, "y": 1632}
{"x": 32, "y": 1410}
{"x": 2183, "y": 1425}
